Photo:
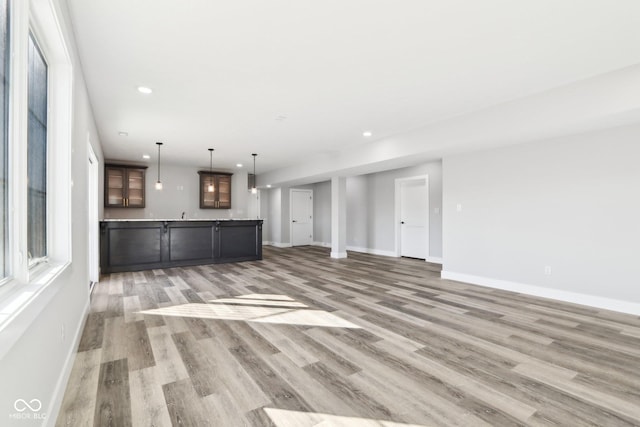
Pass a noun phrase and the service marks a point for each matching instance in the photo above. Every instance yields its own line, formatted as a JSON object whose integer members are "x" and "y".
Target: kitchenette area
{"x": 184, "y": 216}
{"x": 140, "y": 244}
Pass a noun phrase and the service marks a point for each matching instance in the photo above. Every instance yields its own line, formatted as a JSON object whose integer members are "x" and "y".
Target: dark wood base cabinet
{"x": 144, "y": 245}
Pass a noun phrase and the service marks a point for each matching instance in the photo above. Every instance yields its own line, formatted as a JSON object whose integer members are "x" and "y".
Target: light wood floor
{"x": 300, "y": 339}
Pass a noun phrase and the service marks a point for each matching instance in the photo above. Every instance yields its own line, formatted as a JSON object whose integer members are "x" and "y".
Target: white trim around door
{"x": 93, "y": 235}
{"x": 298, "y": 224}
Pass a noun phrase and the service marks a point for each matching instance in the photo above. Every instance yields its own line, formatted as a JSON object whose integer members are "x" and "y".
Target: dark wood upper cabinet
{"x": 220, "y": 197}
{"x": 124, "y": 186}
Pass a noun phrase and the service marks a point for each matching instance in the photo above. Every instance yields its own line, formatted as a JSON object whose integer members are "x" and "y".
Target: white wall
{"x": 37, "y": 364}
{"x": 284, "y": 216}
{"x": 372, "y": 221}
{"x": 274, "y": 217}
{"x": 180, "y": 193}
{"x": 264, "y": 212}
{"x": 322, "y": 213}
{"x": 570, "y": 203}
{"x": 358, "y": 214}
{"x": 371, "y": 209}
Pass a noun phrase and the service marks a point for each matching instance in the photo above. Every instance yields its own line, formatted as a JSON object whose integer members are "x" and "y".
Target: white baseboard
{"x": 435, "y": 260}
{"x": 61, "y": 385}
{"x": 371, "y": 251}
{"x": 278, "y": 245}
{"x": 539, "y": 291}
{"x": 338, "y": 254}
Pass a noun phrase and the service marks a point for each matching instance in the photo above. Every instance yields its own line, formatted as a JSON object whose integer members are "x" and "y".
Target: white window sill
{"x": 17, "y": 298}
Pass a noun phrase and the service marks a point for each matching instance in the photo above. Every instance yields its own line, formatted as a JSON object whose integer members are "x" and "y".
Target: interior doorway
{"x": 93, "y": 216}
{"x": 412, "y": 217}
{"x": 301, "y": 214}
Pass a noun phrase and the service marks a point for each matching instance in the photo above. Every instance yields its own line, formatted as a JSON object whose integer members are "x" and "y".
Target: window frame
{"x": 6, "y": 267}
{"x": 40, "y": 18}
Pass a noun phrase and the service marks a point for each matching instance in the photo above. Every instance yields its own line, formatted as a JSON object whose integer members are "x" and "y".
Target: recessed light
{"x": 367, "y": 134}
{"x": 146, "y": 156}
{"x": 144, "y": 89}
{"x": 121, "y": 133}
{"x": 268, "y": 185}
{"x": 239, "y": 165}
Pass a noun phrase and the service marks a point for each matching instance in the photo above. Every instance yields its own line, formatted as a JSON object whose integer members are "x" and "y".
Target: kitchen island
{"x": 143, "y": 244}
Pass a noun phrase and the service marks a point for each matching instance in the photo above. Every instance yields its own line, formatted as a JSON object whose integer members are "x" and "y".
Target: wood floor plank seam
{"x": 418, "y": 350}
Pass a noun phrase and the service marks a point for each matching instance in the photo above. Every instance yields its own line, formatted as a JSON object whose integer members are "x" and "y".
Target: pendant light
{"x": 158, "y": 182}
{"x": 210, "y": 188}
{"x": 254, "y": 190}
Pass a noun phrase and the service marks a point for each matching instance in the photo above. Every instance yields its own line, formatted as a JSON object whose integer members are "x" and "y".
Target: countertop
{"x": 178, "y": 219}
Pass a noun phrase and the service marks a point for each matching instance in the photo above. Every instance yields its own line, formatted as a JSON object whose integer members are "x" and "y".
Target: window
{"x": 37, "y": 155}
{"x": 4, "y": 136}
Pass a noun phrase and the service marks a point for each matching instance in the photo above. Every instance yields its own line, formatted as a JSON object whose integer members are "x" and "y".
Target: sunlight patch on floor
{"x": 308, "y": 317}
{"x": 271, "y": 303}
{"x": 256, "y": 308}
{"x": 271, "y": 297}
{"x": 216, "y": 311}
{"x": 287, "y": 418}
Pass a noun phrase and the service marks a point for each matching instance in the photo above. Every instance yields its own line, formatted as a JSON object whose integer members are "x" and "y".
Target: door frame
{"x": 398, "y": 202}
{"x": 291, "y": 190}
{"x": 93, "y": 215}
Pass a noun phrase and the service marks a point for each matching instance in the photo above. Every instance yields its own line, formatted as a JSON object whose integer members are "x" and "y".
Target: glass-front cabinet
{"x": 124, "y": 186}
{"x": 215, "y": 190}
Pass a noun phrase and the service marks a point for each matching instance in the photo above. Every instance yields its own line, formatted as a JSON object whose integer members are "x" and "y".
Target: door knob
{"x": 294, "y": 220}
{"x": 401, "y": 222}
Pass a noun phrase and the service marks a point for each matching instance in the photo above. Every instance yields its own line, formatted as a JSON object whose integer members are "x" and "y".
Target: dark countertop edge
{"x": 180, "y": 220}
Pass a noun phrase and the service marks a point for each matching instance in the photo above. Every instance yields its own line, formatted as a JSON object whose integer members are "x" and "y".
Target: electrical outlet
{"x": 62, "y": 335}
{"x": 459, "y": 207}
{"x": 547, "y": 270}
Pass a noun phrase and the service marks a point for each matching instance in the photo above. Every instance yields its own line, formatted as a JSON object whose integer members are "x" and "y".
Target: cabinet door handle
{"x": 124, "y": 202}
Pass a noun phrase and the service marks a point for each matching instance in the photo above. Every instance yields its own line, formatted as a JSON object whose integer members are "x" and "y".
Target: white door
{"x": 253, "y": 207}
{"x": 93, "y": 190}
{"x": 301, "y": 217}
{"x": 413, "y": 219}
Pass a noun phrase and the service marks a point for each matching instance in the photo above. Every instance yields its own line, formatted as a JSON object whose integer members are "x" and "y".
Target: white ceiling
{"x": 224, "y": 73}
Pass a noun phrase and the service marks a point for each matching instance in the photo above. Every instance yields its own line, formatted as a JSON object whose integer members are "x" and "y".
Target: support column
{"x": 338, "y": 217}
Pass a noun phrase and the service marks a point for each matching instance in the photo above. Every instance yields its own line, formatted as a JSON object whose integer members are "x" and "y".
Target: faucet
{"x": 182, "y": 215}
